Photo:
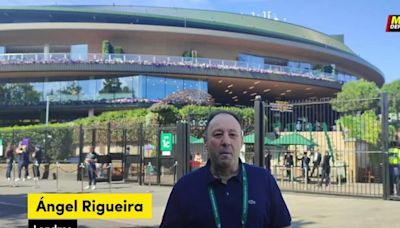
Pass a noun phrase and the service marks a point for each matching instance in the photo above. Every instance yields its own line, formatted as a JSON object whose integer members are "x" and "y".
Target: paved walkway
{"x": 307, "y": 210}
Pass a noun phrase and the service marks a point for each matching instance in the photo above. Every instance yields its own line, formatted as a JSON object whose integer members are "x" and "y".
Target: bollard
{"x": 57, "y": 177}
{"x": 13, "y": 167}
{"x": 82, "y": 166}
{"x": 148, "y": 174}
{"x": 36, "y": 179}
{"x": 306, "y": 177}
{"x": 109, "y": 176}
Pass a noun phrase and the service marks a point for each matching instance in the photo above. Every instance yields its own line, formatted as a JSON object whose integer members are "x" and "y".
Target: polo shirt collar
{"x": 211, "y": 179}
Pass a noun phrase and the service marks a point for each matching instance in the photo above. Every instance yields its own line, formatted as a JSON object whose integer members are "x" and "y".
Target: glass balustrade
{"x": 157, "y": 60}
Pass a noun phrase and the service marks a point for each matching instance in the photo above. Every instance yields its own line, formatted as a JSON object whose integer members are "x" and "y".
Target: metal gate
{"x": 110, "y": 146}
{"x": 312, "y": 147}
{"x": 151, "y": 156}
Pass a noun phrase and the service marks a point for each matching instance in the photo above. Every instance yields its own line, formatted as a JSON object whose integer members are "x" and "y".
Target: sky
{"x": 362, "y": 22}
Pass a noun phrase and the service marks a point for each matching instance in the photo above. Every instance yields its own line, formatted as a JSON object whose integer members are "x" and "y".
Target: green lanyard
{"x": 245, "y": 199}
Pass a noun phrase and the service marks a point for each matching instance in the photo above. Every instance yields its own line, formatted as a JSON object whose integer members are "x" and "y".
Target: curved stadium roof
{"x": 190, "y": 18}
{"x": 179, "y": 17}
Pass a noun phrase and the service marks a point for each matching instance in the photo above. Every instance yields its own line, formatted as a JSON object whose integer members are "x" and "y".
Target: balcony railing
{"x": 160, "y": 60}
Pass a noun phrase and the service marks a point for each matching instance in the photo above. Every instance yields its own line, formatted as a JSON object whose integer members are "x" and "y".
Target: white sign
{"x": 281, "y": 106}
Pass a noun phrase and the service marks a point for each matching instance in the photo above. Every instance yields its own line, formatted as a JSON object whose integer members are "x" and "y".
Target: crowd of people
{"x": 23, "y": 154}
{"x": 318, "y": 162}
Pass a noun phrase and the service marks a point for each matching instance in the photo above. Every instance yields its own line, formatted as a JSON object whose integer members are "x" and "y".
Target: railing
{"x": 160, "y": 60}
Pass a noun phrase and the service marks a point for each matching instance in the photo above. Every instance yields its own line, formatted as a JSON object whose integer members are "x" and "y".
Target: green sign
{"x": 166, "y": 141}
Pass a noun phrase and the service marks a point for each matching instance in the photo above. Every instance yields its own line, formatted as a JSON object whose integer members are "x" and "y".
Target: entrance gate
{"x": 355, "y": 141}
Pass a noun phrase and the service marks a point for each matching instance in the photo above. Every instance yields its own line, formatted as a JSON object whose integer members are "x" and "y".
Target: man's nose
{"x": 226, "y": 140}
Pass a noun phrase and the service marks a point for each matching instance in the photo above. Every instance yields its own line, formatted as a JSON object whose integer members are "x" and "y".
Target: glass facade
{"x": 128, "y": 89}
{"x": 79, "y": 52}
{"x": 251, "y": 60}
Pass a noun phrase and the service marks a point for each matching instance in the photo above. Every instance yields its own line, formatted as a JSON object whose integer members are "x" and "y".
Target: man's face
{"x": 224, "y": 140}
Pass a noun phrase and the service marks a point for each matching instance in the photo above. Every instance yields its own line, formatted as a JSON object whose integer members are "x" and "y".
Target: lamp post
{"x": 47, "y": 123}
{"x": 47, "y": 109}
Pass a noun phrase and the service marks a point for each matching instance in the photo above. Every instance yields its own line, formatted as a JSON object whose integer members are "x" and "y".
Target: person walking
{"x": 36, "y": 160}
{"x": 305, "y": 166}
{"x": 23, "y": 160}
{"x": 90, "y": 161}
{"x": 326, "y": 169}
{"x": 226, "y": 192}
{"x": 316, "y": 158}
{"x": 288, "y": 162}
{"x": 9, "y": 160}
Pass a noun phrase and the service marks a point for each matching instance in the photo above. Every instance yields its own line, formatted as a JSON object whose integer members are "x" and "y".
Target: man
{"x": 394, "y": 168}
{"x": 316, "y": 162}
{"x": 326, "y": 169}
{"x": 90, "y": 161}
{"x": 36, "y": 160}
{"x": 226, "y": 192}
{"x": 305, "y": 166}
{"x": 288, "y": 162}
{"x": 10, "y": 160}
{"x": 23, "y": 159}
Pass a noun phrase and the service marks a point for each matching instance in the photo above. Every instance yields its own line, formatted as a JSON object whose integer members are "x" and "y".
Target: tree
{"x": 197, "y": 117}
{"x": 21, "y": 93}
{"x": 111, "y": 85}
{"x": 107, "y": 48}
{"x": 166, "y": 114}
{"x": 72, "y": 89}
{"x": 356, "y": 96}
{"x": 393, "y": 90}
{"x": 365, "y": 127}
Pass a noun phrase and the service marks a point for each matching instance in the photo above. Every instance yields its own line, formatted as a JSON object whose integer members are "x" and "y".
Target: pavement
{"x": 307, "y": 210}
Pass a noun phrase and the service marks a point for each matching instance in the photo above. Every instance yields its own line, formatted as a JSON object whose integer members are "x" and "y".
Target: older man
{"x": 226, "y": 192}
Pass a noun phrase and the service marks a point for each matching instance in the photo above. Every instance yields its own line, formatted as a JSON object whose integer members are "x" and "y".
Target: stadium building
{"x": 88, "y": 59}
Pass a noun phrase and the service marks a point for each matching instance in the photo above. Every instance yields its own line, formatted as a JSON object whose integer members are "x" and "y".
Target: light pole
{"x": 47, "y": 123}
{"x": 47, "y": 109}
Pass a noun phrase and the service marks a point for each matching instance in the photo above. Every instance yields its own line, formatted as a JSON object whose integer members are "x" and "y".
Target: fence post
{"x": 57, "y": 166}
{"x": 259, "y": 125}
{"x": 384, "y": 140}
{"x": 182, "y": 148}
{"x": 306, "y": 177}
{"x": 147, "y": 174}
{"x": 36, "y": 171}
{"x": 175, "y": 167}
{"x": 109, "y": 176}
{"x": 82, "y": 166}
{"x": 291, "y": 173}
{"x": 81, "y": 158}
{"x": 141, "y": 160}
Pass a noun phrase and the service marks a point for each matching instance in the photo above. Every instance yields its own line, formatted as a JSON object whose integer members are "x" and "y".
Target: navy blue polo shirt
{"x": 189, "y": 204}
